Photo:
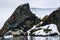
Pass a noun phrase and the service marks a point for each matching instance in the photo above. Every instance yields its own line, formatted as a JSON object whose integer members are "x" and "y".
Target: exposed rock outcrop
{"x": 22, "y": 18}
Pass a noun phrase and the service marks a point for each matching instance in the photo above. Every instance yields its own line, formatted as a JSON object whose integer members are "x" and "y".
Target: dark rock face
{"x": 18, "y": 18}
{"x": 54, "y": 18}
{"x": 54, "y": 34}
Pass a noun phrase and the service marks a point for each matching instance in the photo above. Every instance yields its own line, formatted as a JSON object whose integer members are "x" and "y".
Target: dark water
{"x": 33, "y": 38}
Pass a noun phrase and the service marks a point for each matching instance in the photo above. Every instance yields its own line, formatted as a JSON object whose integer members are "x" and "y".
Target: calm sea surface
{"x": 33, "y": 38}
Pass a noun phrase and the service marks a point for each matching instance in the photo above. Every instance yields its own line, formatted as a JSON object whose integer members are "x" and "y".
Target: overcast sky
{"x": 33, "y": 3}
{"x": 8, "y": 6}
